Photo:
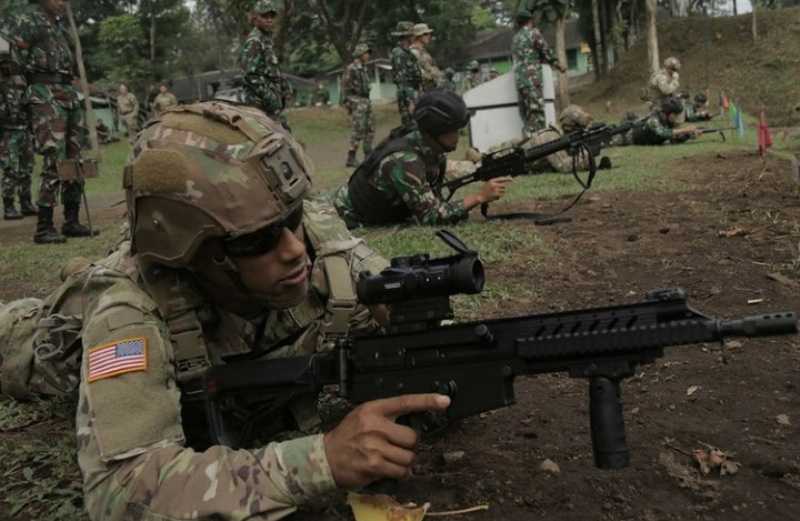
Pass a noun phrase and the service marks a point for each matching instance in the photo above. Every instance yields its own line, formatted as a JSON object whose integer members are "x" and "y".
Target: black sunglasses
{"x": 264, "y": 240}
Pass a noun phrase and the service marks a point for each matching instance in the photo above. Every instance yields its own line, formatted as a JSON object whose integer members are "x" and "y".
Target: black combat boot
{"x": 10, "y": 212}
{"x": 26, "y": 206}
{"x": 45, "y": 231}
{"x": 351, "y": 159}
{"x": 72, "y": 226}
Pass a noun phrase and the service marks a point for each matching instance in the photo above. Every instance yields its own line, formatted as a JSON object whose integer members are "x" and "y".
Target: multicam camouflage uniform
{"x": 128, "y": 109}
{"x": 52, "y": 101}
{"x": 356, "y": 91}
{"x": 163, "y": 101}
{"x": 529, "y": 51}
{"x": 473, "y": 80}
{"x": 662, "y": 85}
{"x": 432, "y": 76}
{"x": 409, "y": 182}
{"x": 407, "y": 75}
{"x": 16, "y": 143}
{"x": 264, "y": 85}
{"x": 140, "y": 446}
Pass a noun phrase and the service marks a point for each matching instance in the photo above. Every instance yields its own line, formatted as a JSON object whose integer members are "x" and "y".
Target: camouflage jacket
{"x": 406, "y": 72}
{"x": 12, "y": 77}
{"x": 264, "y": 84}
{"x": 356, "y": 81}
{"x": 652, "y": 132}
{"x": 48, "y": 43}
{"x": 164, "y": 101}
{"x": 135, "y": 428}
{"x": 128, "y": 105}
{"x": 411, "y": 179}
{"x": 529, "y": 50}
{"x": 663, "y": 85}
{"x": 432, "y": 77}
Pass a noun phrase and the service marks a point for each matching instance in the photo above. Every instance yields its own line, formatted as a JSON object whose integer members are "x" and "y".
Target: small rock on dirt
{"x": 452, "y": 457}
{"x": 550, "y": 467}
{"x": 783, "y": 419}
{"x": 632, "y": 237}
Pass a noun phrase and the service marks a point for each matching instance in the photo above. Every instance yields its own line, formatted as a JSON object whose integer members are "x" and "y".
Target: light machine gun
{"x": 475, "y": 363}
{"x": 515, "y": 161}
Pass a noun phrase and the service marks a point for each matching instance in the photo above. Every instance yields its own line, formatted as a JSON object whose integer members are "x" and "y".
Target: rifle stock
{"x": 476, "y": 363}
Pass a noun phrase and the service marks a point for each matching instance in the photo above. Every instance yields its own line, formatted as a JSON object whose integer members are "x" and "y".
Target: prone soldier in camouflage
{"x": 572, "y": 119}
{"x": 164, "y": 100}
{"x": 529, "y": 51}
{"x": 406, "y": 73}
{"x": 696, "y": 109}
{"x": 660, "y": 126}
{"x": 128, "y": 110}
{"x": 16, "y": 143}
{"x": 226, "y": 261}
{"x": 265, "y": 86}
{"x": 432, "y": 77}
{"x": 56, "y": 116}
{"x": 356, "y": 99}
{"x": 400, "y": 182}
{"x": 474, "y": 77}
{"x": 665, "y": 82}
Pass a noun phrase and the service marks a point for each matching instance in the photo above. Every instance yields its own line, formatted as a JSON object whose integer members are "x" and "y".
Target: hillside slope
{"x": 718, "y": 53}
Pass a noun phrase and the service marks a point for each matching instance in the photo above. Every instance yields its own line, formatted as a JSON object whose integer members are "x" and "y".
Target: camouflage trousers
{"x": 531, "y": 108}
{"x": 363, "y": 123}
{"x": 405, "y": 105}
{"x": 131, "y": 122}
{"x": 16, "y": 162}
{"x": 58, "y": 130}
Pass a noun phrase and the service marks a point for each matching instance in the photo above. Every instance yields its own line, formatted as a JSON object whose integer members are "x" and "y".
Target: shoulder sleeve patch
{"x": 116, "y": 358}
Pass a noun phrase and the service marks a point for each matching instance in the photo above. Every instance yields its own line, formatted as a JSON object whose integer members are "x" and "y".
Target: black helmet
{"x": 700, "y": 99}
{"x": 671, "y": 105}
{"x": 441, "y": 111}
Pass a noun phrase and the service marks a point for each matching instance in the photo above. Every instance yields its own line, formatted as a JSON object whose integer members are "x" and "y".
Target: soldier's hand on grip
{"x": 368, "y": 445}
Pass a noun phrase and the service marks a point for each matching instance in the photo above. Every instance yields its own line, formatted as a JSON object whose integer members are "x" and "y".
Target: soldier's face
{"x": 449, "y": 141}
{"x": 163, "y": 89}
{"x": 55, "y": 7}
{"x": 280, "y": 276}
{"x": 265, "y": 21}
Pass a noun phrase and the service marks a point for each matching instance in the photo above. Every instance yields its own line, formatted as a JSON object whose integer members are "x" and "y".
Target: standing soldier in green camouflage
{"x": 355, "y": 86}
{"x": 264, "y": 85}
{"x": 474, "y": 76}
{"x": 432, "y": 76}
{"x": 271, "y": 275}
{"x": 401, "y": 181}
{"x": 406, "y": 72}
{"x": 529, "y": 51}
{"x": 16, "y": 144}
{"x": 57, "y": 119}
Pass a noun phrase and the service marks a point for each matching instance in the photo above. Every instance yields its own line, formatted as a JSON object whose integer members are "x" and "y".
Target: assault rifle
{"x": 475, "y": 363}
{"x": 514, "y": 161}
{"x": 715, "y": 130}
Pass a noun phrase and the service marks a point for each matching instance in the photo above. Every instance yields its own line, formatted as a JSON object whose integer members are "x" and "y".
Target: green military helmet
{"x": 573, "y": 118}
{"x": 672, "y": 105}
{"x": 403, "y": 29}
{"x": 524, "y": 15}
{"x": 266, "y": 6}
{"x": 213, "y": 172}
{"x": 474, "y": 65}
{"x": 361, "y": 49}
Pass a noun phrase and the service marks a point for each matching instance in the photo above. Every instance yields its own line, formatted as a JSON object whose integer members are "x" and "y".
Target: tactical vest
{"x": 376, "y": 207}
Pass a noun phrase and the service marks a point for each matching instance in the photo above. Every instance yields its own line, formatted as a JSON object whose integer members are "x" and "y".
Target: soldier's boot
{"x": 72, "y": 226}
{"x": 10, "y": 212}
{"x": 45, "y": 231}
{"x": 351, "y": 159}
{"x": 26, "y": 206}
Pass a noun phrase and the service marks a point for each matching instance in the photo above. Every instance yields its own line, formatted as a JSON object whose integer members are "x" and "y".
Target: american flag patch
{"x": 124, "y": 356}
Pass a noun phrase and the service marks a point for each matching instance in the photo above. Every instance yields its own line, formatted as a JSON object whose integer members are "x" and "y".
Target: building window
{"x": 572, "y": 58}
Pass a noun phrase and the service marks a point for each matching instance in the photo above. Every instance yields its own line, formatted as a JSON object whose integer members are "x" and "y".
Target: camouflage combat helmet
{"x": 672, "y": 105}
{"x": 266, "y": 6}
{"x": 361, "y": 49}
{"x": 672, "y": 63}
{"x": 212, "y": 172}
{"x": 573, "y": 118}
{"x": 474, "y": 65}
{"x": 403, "y": 29}
{"x": 700, "y": 99}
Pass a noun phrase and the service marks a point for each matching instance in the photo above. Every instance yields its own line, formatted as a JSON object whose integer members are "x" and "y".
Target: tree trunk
{"x": 153, "y": 43}
{"x": 652, "y": 35}
{"x": 561, "y": 52}
{"x": 735, "y": 8}
{"x": 91, "y": 120}
{"x": 755, "y": 25}
{"x": 605, "y": 34}
{"x": 598, "y": 40}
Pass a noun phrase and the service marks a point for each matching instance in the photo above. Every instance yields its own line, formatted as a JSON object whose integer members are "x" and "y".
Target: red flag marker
{"x": 764, "y": 136}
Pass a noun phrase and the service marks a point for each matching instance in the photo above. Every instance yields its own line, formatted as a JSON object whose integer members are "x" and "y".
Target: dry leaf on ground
{"x": 380, "y": 507}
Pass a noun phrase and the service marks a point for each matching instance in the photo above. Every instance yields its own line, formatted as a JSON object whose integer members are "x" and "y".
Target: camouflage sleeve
{"x": 252, "y": 65}
{"x": 546, "y": 54}
{"x": 658, "y": 129}
{"x": 131, "y": 441}
{"x": 666, "y": 85}
{"x": 407, "y": 175}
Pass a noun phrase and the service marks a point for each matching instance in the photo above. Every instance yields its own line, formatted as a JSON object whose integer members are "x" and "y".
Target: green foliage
{"x": 121, "y": 55}
{"x": 550, "y": 10}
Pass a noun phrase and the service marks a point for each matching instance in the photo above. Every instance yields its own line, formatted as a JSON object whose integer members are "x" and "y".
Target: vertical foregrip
{"x": 607, "y": 424}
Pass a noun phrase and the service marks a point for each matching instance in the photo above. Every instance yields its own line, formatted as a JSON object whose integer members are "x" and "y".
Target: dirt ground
{"x": 620, "y": 246}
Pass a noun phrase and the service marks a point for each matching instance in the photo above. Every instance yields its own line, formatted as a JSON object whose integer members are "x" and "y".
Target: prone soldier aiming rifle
{"x": 514, "y": 161}
{"x": 475, "y": 363}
